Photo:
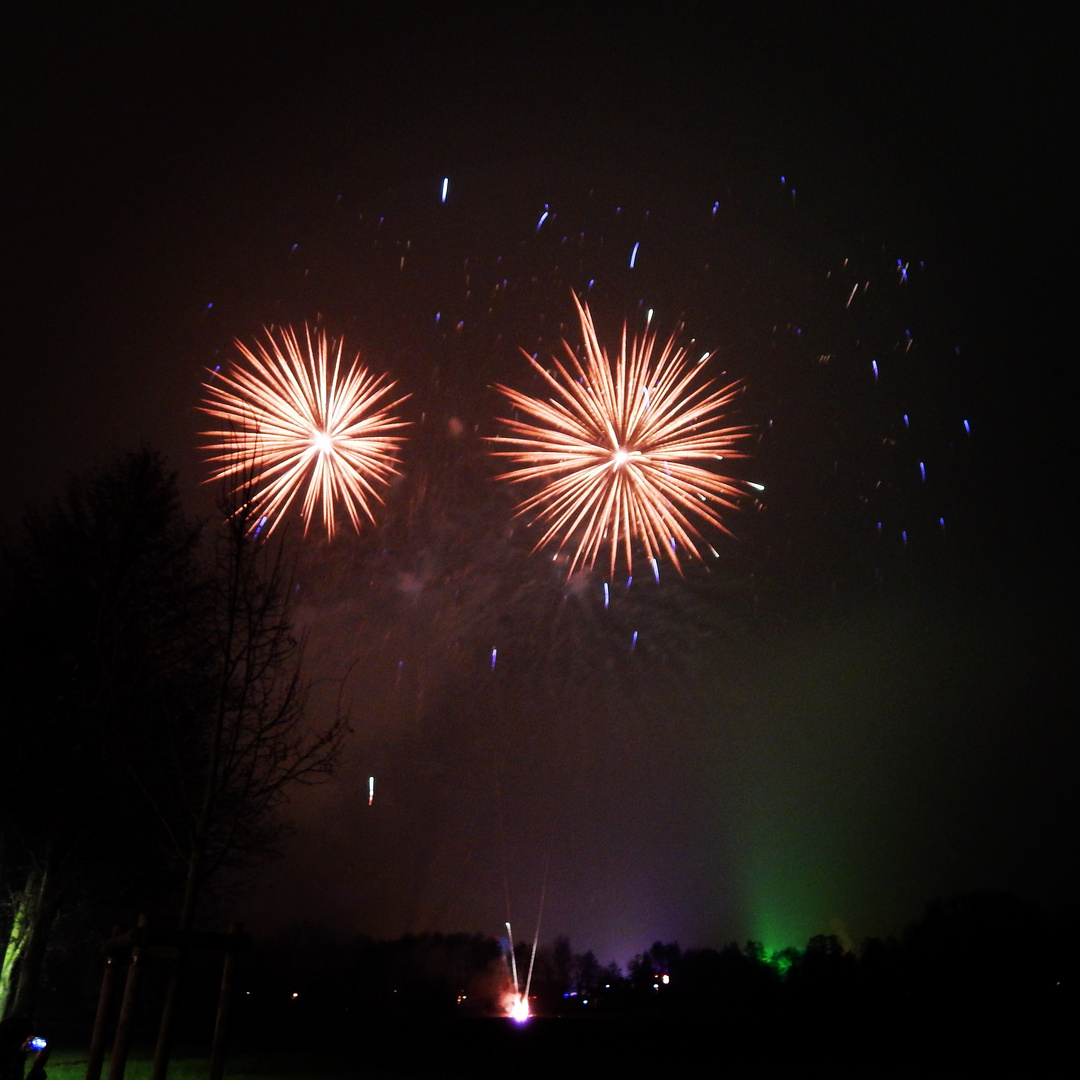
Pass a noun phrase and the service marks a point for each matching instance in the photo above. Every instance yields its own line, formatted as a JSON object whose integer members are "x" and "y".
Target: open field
{"x": 895, "y": 1043}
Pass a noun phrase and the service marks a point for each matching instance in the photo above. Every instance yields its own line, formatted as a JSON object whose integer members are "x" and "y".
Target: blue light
{"x": 445, "y": 187}
{"x": 633, "y": 255}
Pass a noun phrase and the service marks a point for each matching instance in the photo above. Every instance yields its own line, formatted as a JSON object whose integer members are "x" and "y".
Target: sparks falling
{"x": 294, "y": 421}
{"x": 615, "y": 448}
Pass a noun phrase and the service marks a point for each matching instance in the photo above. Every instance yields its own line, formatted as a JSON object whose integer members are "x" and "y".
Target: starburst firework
{"x": 615, "y": 450}
{"x": 295, "y": 419}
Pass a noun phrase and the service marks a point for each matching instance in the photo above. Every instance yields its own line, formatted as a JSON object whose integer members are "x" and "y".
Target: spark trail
{"x": 294, "y": 419}
{"x": 617, "y": 448}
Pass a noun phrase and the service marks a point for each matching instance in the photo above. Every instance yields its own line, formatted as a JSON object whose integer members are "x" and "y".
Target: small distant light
{"x": 665, "y": 979}
{"x": 445, "y": 187}
{"x": 633, "y": 254}
{"x": 756, "y": 487}
{"x": 295, "y": 995}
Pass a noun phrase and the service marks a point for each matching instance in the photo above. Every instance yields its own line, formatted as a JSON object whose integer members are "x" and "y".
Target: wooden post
{"x": 225, "y": 997}
{"x": 118, "y": 1060}
{"x": 101, "y": 1019}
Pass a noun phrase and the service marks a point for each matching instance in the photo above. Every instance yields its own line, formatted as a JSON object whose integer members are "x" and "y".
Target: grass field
{"x": 71, "y": 1065}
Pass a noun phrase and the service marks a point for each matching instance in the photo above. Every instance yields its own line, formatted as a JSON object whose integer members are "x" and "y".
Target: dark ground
{"x": 908, "y": 1040}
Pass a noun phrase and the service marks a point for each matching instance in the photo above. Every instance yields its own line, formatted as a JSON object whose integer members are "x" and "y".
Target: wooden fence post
{"x": 101, "y": 1019}
{"x": 225, "y": 998}
{"x": 118, "y": 1060}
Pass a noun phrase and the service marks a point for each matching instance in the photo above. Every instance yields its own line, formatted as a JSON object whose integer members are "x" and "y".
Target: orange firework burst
{"x": 294, "y": 420}
{"x": 615, "y": 450}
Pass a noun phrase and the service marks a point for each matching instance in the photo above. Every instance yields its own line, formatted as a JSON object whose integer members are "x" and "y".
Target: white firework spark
{"x": 294, "y": 421}
{"x": 616, "y": 450}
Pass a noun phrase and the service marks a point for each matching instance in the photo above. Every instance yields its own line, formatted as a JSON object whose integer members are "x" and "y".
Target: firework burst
{"x": 615, "y": 450}
{"x": 296, "y": 421}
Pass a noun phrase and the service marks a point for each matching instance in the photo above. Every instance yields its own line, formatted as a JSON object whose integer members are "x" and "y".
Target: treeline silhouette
{"x": 966, "y": 954}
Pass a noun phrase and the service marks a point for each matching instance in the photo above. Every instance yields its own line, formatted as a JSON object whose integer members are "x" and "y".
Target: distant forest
{"x": 968, "y": 949}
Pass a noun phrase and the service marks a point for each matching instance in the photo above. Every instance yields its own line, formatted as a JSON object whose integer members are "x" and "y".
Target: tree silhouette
{"x": 252, "y": 737}
{"x": 98, "y": 596}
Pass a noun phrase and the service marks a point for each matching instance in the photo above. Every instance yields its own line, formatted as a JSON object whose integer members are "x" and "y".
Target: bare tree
{"x": 255, "y": 739}
{"x": 132, "y": 670}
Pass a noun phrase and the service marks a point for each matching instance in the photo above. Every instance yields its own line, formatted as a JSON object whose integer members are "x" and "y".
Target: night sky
{"x": 821, "y": 729}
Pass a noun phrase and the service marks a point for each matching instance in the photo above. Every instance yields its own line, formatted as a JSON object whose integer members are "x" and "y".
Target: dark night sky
{"x": 830, "y": 728}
